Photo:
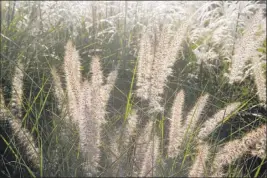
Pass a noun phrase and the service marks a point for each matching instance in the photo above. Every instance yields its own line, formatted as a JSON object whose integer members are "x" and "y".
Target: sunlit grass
{"x": 35, "y": 33}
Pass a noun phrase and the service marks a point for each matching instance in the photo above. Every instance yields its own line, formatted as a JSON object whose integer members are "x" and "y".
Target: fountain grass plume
{"x": 17, "y": 91}
{"x": 233, "y": 150}
{"x": 23, "y": 139}
{"x": 142, "y": 144}
{"x": 176, "y": 126}
{"x": 73, "y": 79}
{"x": 210, "y": 125}
{"x": 59, "y": 92}
{"x": 150, "y": 158}
{"x": 245, "y": 48}
{"x": 178, "y": 131}
{"x": 154, "y": 64}
{"x": 199, "y": 166}
{"x": 87, "y": 101}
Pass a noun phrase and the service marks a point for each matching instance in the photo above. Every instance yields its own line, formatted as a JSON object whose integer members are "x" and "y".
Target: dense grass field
{"x": 133, "y": 89}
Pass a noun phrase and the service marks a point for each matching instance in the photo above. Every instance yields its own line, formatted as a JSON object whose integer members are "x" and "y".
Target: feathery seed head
{"x": 131, "y": 126}
{"x": 198, "y": 168}
{"x": 255, "y": 140}
{"x": 17, "y": 91}
{"x": 97, "y": 74}
{"x": 246, "y": 48}
{"x": 150, "y": 158}
{"x": 73, "y": 79}
{"x": 176, "y": 133}
{"x": 236, "y": 148}
{"x": 145, "y": 61}
{"x": 196, "y": 112}
{"x": 142, "y": 144}
{"x": 230, "y": 152}
{"x": 22, "y": 136}
{"x": 59, "y": 92}
{"x": 109, "y": 85}
{"x": 26, "y": 140}
{"x": 260, "y": 79}
{"x": 154, "y": 66}
{"x": 211, "y": 124}
{"x": 2, "y": 106}
{"x": 260, "y": 147}
{"x": 4, "y": 116}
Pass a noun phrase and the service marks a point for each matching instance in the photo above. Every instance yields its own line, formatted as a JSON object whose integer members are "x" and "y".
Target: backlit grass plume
{"x": 142, "y": 146}
{"x": 210, "y": 125}
{"x": 155, "y": 62}
{"x": 73, "y": 79}
{"x": 178, "y": 130}
{"x": 253, "y": 143}
{"x": 199, "y": 165}
{"x": 176, "y": 126}
{"x": 259, "y": 78}
{"x": 146, "y": 56}
{"x": 17, "y": 91}
{"x": 2, "y": 106}
{"x": 233, "y": 150}
{"x": 87, "y": 102}
{"x": 24, "y": 141}
{"x": 245, "y": 50}
{"x": 150, "y": 158}
{"x": 122, "y": 144}
{"x": 59, "y": 92}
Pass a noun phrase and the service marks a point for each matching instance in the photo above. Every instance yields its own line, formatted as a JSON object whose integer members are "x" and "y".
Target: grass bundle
{"x": 87, "y": 103}
{"x": 210, "y": 125}
{"x": 24, "y": 140}
{"x": 179, "y": 131}
{"x": 246, "y": 49}
{"x": 142, "y": 146}
{"x": 150, "y": 158}
{"x": 236, "y": 148}
{"x": 155, "y": 62}
{"x": 199, "y": 166}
